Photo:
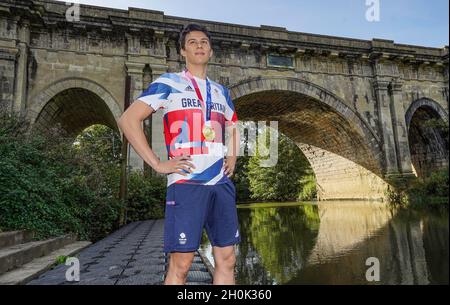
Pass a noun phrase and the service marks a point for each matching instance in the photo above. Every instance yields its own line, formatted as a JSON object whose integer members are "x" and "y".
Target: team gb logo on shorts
{"x": 182, "y": 239}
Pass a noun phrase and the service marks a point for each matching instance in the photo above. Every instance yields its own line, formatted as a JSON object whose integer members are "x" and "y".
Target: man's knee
{"x": 225, "y": 261}
{"x": 181, "y": 264}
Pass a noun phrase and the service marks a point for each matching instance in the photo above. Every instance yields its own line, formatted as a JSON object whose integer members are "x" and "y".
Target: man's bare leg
{"x": 224, "y": 261}
{"x": 179, "y": 265}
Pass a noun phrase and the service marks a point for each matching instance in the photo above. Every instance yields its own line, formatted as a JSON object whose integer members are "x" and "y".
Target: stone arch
{"x": 425, "y": 102}
{"x": 360, "y": 156}
{"x": 52, "y": 90}
{"x": 428, "y": 144}
{"x": 303, "y": 87}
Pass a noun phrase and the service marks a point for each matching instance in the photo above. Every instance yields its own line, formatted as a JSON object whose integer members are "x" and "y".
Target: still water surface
{"x": 329, "y": 243}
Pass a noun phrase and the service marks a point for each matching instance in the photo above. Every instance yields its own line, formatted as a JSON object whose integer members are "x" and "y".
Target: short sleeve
{"x": 157, "y": 93}
{"x": 230, "y": 113}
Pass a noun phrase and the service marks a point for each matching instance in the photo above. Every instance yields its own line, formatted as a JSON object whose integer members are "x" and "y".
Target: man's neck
{"x": 197, "y": 70}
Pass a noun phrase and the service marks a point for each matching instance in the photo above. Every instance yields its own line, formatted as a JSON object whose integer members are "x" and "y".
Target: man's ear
{"x": 182, "y": 52}
{"x": 211, "y": 53}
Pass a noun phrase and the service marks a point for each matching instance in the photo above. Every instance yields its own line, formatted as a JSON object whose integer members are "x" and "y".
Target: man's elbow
{"x": 121, "y": 121}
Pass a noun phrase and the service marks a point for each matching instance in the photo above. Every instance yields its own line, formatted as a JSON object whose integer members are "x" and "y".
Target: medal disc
{"x": 209, "y": 133}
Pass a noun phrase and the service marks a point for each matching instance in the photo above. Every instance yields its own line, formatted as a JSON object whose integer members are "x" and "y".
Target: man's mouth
{"x": 199, "y": 53}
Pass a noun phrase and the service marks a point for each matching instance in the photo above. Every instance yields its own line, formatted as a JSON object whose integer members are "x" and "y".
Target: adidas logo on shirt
{"x": 188, "y": 88}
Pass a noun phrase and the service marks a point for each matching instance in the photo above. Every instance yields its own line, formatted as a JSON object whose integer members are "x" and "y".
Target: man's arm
{"x": 131, "y": 124}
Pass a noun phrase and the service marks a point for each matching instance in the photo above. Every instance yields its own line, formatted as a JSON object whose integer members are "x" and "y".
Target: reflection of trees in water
{"x": 285, "y": 246}
{"x": 278, "y": 241}
{"x": 435, "y": 241}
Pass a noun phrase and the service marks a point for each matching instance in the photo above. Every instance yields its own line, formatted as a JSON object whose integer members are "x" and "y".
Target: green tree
{"x": 284, "y": 181}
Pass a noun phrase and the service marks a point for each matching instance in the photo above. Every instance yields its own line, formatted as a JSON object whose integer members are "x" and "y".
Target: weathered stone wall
{"x": 7, "y": 77}
{"x": 7, "y": 62}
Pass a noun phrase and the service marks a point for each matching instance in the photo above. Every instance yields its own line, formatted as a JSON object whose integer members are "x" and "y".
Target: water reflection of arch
{"x": 350, "y": 233}
{"x": 335, "y": 251}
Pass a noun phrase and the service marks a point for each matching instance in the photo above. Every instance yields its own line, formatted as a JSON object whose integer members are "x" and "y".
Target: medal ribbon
{"x": 199, "y": 95}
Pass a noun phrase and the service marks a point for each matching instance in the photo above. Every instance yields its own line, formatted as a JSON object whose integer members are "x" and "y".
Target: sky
{"x": 416, "y": 22}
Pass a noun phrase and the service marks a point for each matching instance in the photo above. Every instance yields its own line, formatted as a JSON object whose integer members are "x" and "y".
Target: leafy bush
{"x": 146, "y": 196}
{"x": 431, "y": 191}
{"x": 30, "y": 197}
{"x": 51, "y": 187}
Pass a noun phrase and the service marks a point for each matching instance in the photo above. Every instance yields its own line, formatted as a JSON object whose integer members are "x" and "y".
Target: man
{"x": 197, "y": 114}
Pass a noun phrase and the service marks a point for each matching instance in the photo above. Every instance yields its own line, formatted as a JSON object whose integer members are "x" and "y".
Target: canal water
{"x": 339, "y": 242}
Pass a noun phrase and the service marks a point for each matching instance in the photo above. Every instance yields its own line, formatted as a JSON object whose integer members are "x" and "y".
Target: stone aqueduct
{"x": 356, "y": 108}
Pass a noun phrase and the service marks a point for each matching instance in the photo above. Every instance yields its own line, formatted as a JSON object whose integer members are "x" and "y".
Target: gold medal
{"x": 209, "y": 133}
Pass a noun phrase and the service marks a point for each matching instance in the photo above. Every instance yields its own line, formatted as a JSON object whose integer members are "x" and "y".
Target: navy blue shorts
{"x": 190, "y": 208}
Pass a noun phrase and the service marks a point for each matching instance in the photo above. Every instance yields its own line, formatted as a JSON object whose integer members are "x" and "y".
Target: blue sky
{"x": 416, "y": 22}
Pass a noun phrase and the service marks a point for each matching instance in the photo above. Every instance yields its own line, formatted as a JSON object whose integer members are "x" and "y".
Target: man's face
{"x": 197, "y": 49}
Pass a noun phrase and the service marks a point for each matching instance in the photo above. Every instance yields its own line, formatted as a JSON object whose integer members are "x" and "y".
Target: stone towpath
{"x": 132, "y": 255}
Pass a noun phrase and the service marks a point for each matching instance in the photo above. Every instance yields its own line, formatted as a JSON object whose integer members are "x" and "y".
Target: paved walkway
{"x": 133, "y": 255}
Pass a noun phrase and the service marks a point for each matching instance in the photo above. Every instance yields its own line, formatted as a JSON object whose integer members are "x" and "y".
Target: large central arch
{"x": 344, "y": 152}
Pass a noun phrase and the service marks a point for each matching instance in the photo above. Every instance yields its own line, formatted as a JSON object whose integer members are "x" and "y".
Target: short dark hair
{"x": 190, "y": 28}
